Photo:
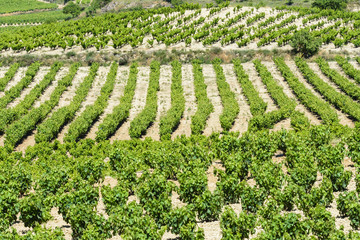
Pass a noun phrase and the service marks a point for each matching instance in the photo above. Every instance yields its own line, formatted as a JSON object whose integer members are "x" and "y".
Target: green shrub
{"x": 303, "y": 42}
{"x": 330, "y": 4}
{"x": 73, "y": 9}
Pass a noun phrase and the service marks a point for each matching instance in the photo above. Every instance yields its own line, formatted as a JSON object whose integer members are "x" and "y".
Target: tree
{"x": 330, "y": 4}
{"x": 72, "y": 9}
{"x": 306, "y": 44}
{"x": 99, "y": 3}
{"x": 175, "y": 2}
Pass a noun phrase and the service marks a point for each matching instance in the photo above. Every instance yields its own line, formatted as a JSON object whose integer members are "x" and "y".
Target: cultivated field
{"x": 191, "y": 149}
{"x": 230, "y": 28}
{"x": 232, "y": 96}
{"x": 8, "y": 6}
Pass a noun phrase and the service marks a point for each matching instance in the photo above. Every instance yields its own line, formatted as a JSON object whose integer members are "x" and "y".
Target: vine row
{"x": 8, "y": 76}
{"x": 142, "y": 121}
{"x": 171, "y": 120}
{"x": 343, "y": 102}
{"x": 349, "y": 69}
{"x": 49, "y": 129}
{"x": 15, "y": 91}
{"x": 230, "y": 105}
{"x": 204, "y": 106}
{"x": 81, "y": 125}
{"x": 306, "y": 97}
{"x": 19, "y": 129}
{"x": 121, "y": 112}
{"x": 345, "y": 85}
{"x": 256, "y": 103}
{"x": 10, "y": 115}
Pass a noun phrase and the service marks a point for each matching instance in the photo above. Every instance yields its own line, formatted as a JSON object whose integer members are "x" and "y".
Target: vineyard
{"x": 8, "y": 6}
{"x": 33, "y": 18}
{"x": 42, "y": 104}
{"x": 211, "y": 149}
{"x": 227, "y": 176}
{"x": 187, "y": 27}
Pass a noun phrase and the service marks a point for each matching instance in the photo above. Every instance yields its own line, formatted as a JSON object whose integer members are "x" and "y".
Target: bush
{"x": 72, "y": 9}
{"x": 330, "y": 4}
{"x": 303, "y": 42}
{"x": 237, "y": 227}
{"x": 176, "y": 2}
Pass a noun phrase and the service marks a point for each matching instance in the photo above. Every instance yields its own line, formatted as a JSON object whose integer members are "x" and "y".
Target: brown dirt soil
{"x": 314, "y": 120}
{"x": 242, "y": 121}
{"x": 342, "y": 117}
{"x": 137, "y": 104}
{"x": 315, "y": 67}
{"x": 114, "y": 100}
{"x": 213, "y": 122}
{"x": 259, "y": 86}
{"x": 164, "y": 101}
{"x": 190, "y": 102}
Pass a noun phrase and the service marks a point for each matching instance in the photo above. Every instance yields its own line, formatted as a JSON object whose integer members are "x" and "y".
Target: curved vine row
{"x": 121, "y": 112}
{"x": 49, "y": 129}
{"x": 343, "y": 102}
{"x": 305, "y": 96}
{"x": 204, "y": 106}
{"x": 171, "y": 120}
{"x": 81, "y": 125}
{"x": 19, "y": 129}
{"x": 142, "y": 121}
{"x": 231, "y": 107}
{"x": 10, "y": 115}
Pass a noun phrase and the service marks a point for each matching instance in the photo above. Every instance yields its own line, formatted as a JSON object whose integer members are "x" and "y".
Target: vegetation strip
{"x": 345, "y": 85}
{"x": 358, "y": 59}
{"x": 286, "y": 105}
{"x": 147, "y": 116}
{"x": 343, "y": 102}
{"x": 275, "y": 90}
{"x": 256, "y": 103}
{"x": 228, "y": 99}
{"x": 171, "y": 120}
{"x": 348, "y": 68}
{"x": 35, "y": 17}
{"x": 19, "y": 129}
{"x": 306, "y": 97}
{"x": 121, "y": 112}
{"x": 49, "y": 129}
{"x": 8, "y": 76}
{"x": 15, "y": 91}
{"x": 81, "y": 125}
{"x": 8, "y": 6}
{"x": 204, "y": 106}
{"x": 10, "y": 115}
